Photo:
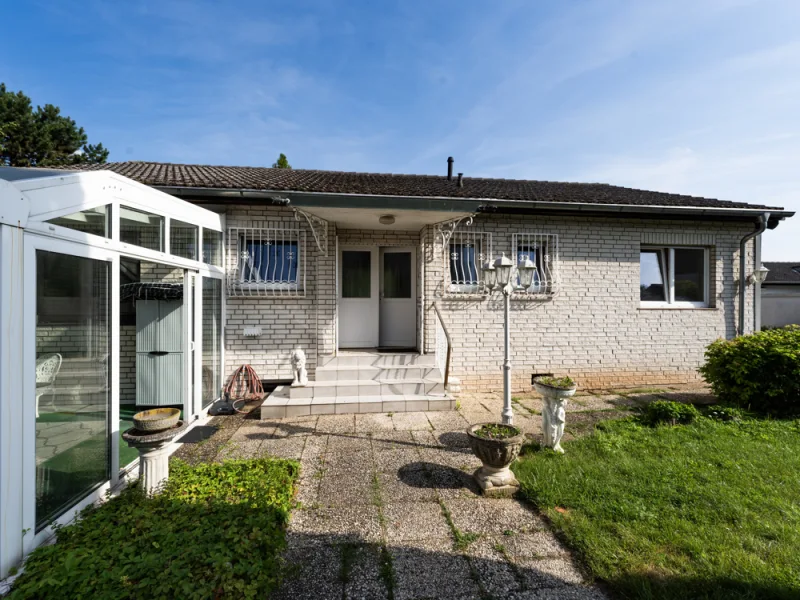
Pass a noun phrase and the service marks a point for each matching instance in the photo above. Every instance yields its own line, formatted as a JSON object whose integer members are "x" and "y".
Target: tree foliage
{"x": 281, "y": 163}
{"x": 42, "y": 137}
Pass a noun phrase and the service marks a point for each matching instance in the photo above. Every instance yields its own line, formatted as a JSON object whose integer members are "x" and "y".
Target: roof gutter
{"x": 761, "y": 226}
{"x": 311, "y": 199}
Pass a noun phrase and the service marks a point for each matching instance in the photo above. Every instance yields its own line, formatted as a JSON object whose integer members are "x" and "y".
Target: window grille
{"x": 542, "y": 250}
{"x": 466, "y": 253}
{"x": 269, "y": 262}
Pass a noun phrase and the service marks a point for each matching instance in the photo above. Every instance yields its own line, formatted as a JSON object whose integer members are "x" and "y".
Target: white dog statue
{"x": 299, "y": 368}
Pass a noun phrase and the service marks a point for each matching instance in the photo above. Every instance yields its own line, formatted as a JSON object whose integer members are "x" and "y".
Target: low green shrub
{"x": 216, "y": 531}
{"x": 668, "y": 413}
{"x": 760, "y": 371}
{"x": 720, "y": 412}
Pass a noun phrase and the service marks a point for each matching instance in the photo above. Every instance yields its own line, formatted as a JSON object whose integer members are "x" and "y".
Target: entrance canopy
{"x": 132, "y": 218}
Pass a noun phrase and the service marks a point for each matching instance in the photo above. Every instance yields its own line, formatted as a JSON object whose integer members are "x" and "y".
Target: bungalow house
{"x": 630, "y": 286}
{"x": 147, "y": 284}
{"x": 780, "y": 295}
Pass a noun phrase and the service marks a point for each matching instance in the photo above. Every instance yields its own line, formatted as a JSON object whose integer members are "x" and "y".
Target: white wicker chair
{"x": 47, "y": 369}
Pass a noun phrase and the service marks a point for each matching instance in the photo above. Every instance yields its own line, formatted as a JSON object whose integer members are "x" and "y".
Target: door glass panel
{"x": 212, "y": 339}
{"x": 689, "y": 271}
{"x": 356, "y": 266}
{"x": 73, "y": 391}
{"x": 397, "y": 275}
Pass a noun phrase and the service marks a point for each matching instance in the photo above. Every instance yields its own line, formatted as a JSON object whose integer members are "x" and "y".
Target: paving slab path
{"x": 388, "y": 509}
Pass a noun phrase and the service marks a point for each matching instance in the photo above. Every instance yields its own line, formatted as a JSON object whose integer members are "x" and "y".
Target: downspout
{"x": 763, "y": 219}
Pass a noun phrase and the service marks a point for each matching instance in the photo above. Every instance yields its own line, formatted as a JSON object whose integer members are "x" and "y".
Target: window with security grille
{"x": 467, "y": 252}
{"x": 542, "y": 250}
{"x": 269, "y": 260}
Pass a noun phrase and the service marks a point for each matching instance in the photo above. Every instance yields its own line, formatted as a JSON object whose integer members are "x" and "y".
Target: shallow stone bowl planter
{"x": 554, "y": 412}
{"x": 157, "y": 419}
{"x": 494, "y": 477}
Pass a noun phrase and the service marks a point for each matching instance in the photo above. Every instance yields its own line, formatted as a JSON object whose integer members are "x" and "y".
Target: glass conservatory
{"x": 112, "y": 302}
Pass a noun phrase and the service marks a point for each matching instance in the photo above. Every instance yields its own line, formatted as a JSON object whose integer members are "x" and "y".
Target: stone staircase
{"x": 364, "y": 382}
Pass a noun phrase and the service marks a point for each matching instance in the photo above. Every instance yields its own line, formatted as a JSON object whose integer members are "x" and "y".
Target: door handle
{"x": 158, "y": 353}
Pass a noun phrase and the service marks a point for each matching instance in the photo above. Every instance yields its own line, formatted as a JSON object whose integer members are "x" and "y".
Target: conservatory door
{"x": 72, "y": 380}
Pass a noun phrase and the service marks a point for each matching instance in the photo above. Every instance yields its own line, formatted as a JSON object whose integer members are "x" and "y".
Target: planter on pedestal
{"x": 555, "y": 393}
{"x": 494, "y": 477}
{"x": 153, "y": 446}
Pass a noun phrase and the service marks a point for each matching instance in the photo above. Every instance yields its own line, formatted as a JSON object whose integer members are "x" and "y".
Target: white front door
{"x": 358, "y": 297}
{"x": 398, "y": 293}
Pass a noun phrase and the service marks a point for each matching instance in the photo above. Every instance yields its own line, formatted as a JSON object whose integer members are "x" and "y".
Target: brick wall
{"x": 592, "y": 329}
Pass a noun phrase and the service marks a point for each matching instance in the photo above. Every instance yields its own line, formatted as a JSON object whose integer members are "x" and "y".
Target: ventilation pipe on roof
{"x": 449, "y": 168}
{"x": 763, "y": 219}
{"x": 460, "y": 180}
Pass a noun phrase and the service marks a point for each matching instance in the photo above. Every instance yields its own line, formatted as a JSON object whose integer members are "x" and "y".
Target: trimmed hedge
{"x": 760, "y": 371}
{"x": 215, "y": 532}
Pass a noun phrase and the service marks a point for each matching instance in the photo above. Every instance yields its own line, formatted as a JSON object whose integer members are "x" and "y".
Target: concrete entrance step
{"x": 367, "y": 387}
{"x": 333, "y": 372}
{"x": 280, "y": 405}
{"x": 376, "y": 359}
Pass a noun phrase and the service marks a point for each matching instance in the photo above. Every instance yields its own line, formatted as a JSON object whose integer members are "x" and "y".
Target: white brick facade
{"x": 593, "y": 329}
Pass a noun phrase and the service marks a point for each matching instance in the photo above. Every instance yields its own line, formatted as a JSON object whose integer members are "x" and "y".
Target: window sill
{"x": 678, "y": 307}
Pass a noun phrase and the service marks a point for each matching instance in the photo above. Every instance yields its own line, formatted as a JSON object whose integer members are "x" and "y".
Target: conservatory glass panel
{"x": 73, "y": 394}
{"x": 141, "y": 228}
{"x": 183, "y": 239}
{"x": 212, "y": 339}
{"x": 212, "y": 247}
{"x": 96, "y": 221}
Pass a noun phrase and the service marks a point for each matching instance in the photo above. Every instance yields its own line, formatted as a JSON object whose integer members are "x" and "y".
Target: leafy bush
{"x": 215, "y": 532}
{"x": 563, "y": 383}
{"x": 668, "y": 412}
{"x": 724, "y": 413}
{"x": 760, "y": 371}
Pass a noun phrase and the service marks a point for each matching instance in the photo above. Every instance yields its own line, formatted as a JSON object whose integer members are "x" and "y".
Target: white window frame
{"x": 237, "y": 286}
{"x": 482, "y": 240}
{"x": 668, "y": 275}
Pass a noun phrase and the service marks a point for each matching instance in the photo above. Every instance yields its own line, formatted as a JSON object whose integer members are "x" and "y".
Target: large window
{"x": 674, "y": 277}
{"x": 72, "y": 380}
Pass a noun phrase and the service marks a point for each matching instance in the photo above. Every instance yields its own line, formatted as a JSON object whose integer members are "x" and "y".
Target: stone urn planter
{"x": 154, "y": 445}
{"x": 497, "y": 446}
{"x": 555, "y": 393}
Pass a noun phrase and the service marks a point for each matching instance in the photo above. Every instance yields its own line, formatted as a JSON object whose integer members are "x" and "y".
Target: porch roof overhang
{"x": 349, "y": 209}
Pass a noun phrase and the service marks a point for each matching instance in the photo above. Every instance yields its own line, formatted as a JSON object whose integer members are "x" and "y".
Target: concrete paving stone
{"x": 425, "y": 438}
{"x": 496, "y": 575}
{"x": 391, "y": 461}
{"x": 452, "y": 439}
{"x": 546, "y": 573}
{"x": 431, "y": 569}
{"x": 493, "y": 516}
{"x": 339, "y": 489}
{"x": 307, "y": 495}
{"x": 392, "y": 440}
{"x": 373, "y": 423}
{"x": 456, "y": 458}
{"x": 290, "y": 447}
{"x": 256, "y": 431}
{"x": 480, "y": 415}
{"x": 364, "y": 581}
{"x": 294, "y": 426}
{"x": 336, "y": 424}
{"x": 353, "y": 524}
{"x": 311, "y": 574}
{"x": 359, "y": 443}
{"x": 406, "y": 486}
{"x": 410, "y": 521}
{"x": 561, "y": 593}
{"x": 239, "y": 450}
{"x": 360, "y": 462}
{"x": 411, "y": 421}
{"x": 536, "y": 544}
{"x": 454, "y": 484}
{"x": 447, "y": 420}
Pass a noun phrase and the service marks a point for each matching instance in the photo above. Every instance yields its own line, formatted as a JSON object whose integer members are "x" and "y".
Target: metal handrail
{"x": 449, "y": 344}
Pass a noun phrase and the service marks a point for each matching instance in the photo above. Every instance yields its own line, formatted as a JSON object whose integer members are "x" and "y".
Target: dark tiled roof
{"x": 783, "y": 272}
{"x": 387, "y": 184}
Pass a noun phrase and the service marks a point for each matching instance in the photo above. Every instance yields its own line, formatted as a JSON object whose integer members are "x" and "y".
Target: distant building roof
{"x": 166, "y": 175}
{"x": 783, "y": 273}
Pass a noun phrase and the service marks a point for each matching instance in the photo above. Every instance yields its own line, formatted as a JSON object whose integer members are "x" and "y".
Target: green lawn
{"x": 215, "y": 532}
{"x": 707, "y": 510}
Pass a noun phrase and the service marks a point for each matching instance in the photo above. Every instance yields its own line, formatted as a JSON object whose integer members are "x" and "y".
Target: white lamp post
{"x": 499, "y": 274}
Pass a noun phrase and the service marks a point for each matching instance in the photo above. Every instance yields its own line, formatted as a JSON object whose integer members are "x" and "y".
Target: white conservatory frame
{"x": 26, "y": 204}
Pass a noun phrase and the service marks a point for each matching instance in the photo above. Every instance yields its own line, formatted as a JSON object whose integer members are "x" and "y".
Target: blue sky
{"x": 697, "y": 97}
